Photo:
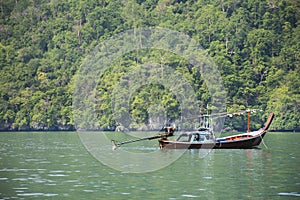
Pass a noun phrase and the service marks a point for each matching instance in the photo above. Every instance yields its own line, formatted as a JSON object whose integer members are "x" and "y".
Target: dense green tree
{"x": 254, "y": 43}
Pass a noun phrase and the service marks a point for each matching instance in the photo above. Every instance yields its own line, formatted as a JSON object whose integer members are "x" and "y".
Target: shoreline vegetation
{"x": 74, "y": 130}
{"x": 43, "y": 44}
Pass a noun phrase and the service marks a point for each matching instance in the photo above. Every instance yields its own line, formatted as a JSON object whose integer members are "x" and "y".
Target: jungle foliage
{"x": 255, "y": 44}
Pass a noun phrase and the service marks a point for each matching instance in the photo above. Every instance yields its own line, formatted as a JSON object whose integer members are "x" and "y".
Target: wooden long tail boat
{"x": 204, "y": 138}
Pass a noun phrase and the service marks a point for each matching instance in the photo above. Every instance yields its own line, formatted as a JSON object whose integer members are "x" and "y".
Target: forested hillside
{"x": 255, "y": 44}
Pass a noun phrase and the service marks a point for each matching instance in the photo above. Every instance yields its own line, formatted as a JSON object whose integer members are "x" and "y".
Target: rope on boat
{"x": 263, "y": 142}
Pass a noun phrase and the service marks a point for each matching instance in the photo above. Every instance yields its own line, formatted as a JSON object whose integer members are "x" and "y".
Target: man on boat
{"x": 196, "y": 138}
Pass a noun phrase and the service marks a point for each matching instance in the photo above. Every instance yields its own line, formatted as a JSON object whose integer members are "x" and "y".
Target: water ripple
{"x": 57, "y": 175}
{"x": 295, "y": 194}
{"x": 189, "y": 196}
{"x": 37, "y": 194}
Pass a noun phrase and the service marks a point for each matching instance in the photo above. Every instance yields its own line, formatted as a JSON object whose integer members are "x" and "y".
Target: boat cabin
{"x": 201, "y": 136}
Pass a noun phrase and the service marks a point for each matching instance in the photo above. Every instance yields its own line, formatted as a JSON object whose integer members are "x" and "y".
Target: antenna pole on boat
{"x": 248, "y": 124}
{"x": 207, "y": 120}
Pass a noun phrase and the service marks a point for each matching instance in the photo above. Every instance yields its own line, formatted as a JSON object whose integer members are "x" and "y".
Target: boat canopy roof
{"x": 200, "y": 131}
{"x": 204, "y": 129}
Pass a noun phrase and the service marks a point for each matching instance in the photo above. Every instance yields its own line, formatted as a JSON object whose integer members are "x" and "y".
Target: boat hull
{"x": 244, "y": 143}
{"x": 240, "y": 141}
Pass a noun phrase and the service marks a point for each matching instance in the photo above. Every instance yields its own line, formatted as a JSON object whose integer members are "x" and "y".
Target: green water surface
{"x": 56, "y": 165}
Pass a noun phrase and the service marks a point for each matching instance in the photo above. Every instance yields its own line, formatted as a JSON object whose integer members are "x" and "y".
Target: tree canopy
{"x": 254, "y": 43}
